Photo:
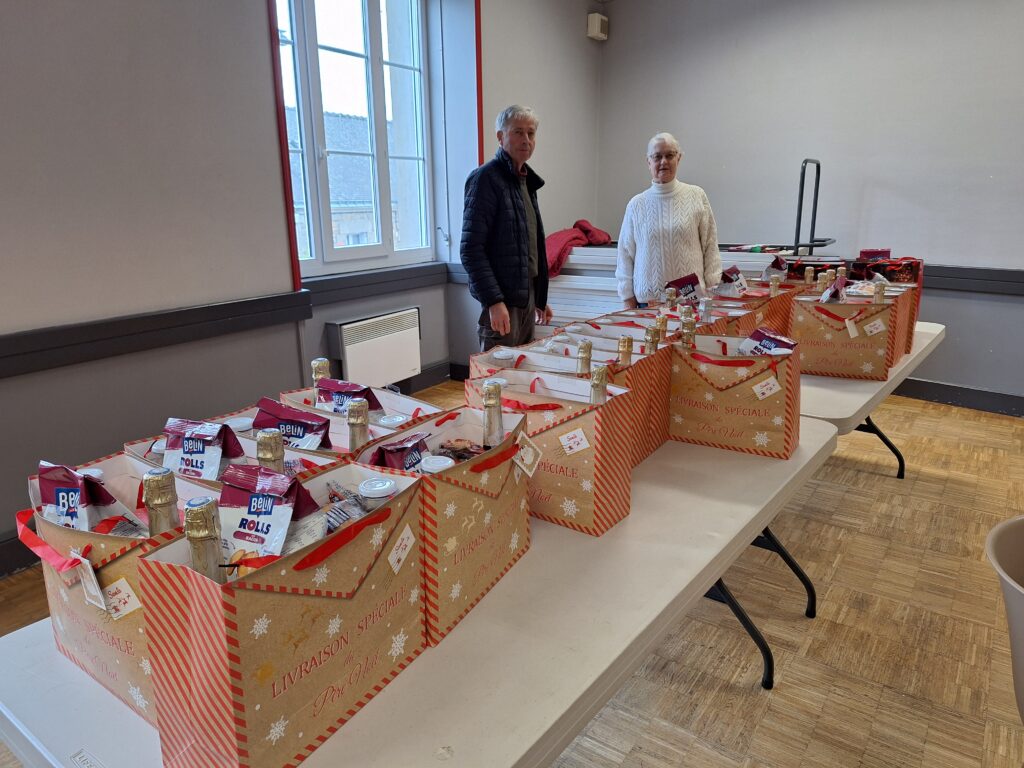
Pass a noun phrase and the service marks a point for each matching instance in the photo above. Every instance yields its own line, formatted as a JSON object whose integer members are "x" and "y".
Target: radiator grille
{"x": 376, "y": 327}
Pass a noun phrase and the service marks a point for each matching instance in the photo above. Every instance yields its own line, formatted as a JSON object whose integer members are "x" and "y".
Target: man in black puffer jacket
{"x": 503, "y": 236}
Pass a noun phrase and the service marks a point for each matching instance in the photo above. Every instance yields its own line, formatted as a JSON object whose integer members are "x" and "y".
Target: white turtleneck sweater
{"x": 668, "y": 232}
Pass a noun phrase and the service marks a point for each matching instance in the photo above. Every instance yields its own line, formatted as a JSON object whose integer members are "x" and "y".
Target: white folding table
{"x": 848, "y": 403}
{"x": 517, "y": 680}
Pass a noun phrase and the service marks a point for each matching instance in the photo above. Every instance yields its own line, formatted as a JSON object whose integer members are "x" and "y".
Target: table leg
{"x": 767, "y": 540}
{"x": 869, "y": 426}
{"x": 720, "y": 593}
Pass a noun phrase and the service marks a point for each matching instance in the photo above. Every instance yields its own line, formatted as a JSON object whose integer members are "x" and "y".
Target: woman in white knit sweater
{"x": 668, "y": 231}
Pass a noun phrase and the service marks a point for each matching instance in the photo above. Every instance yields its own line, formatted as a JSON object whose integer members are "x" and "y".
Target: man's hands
{"x": 631, "y": 302}
{"x": 543, "y": 315}
{"x": 500, "y": 322}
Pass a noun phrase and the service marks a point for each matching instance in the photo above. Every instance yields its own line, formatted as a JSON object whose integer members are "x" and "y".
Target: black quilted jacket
{"x": 494, "y": 248}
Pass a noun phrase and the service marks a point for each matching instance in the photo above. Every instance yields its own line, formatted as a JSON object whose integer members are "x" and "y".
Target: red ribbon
{"x": 447, "y": 417}
{"x": 107, "y": 524}
{"x": 565, "y": 351}
{"x": 517, "y": 405}
{"x": 519, "y": 361}
{"x": 44, "y": 551}
{"x": 254, "y": 562}
{"x": 533, "y": 385}
{"x": 594, "y": 325}
{"x": 725, "y": 347}
{"x": 730, "y": 363}
{"x": 333, "y": 543}
{"x": 416, "y": 413}
{"x": 497, "y": 460}
{"x": 838, "y": 318}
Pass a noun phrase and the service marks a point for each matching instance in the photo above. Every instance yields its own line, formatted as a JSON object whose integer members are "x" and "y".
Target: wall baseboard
{"x": 964, "y": 397}
{"x": 15, "y": 556}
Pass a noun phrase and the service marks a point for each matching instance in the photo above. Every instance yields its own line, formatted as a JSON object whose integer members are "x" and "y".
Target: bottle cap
{"x": 497, "y": 380}
{"x": 392, "y": 420}
{"x": 269, "y": 445}
{"x": 433, "y": 464}
{"x": 492, "y": 394}
{"x": 201, "y": 518}
{"x": 378, "y": 488}
{"x": 158, "y": 487}
{"x": 503, "y": 354}
{"x": 321, "y": 369}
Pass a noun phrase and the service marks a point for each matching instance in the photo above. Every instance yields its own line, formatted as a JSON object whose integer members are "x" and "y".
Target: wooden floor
{"x": 908, "y": 662}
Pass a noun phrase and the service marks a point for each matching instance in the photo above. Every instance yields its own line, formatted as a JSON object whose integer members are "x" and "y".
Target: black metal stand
{"x": 720, "y": 593}
{"x": 869, "y": 426}
{"x": 767, "y": 540}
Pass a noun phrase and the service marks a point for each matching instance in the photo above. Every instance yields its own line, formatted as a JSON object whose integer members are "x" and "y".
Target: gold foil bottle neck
{"x": 269, "y": 445}
{"x": 358, "y": 412}
{"x": 202, "y": 519}
{"x": 671, "y": 296}
{"x": 809, "y": 275}
{"x": 841, "y": 272}
{"x": 321, "y": 367}
{"x": 158, "y": 487}
{"x": 776, "y": 285}
{"x": 687, "y": 313}
{"x": 583, "y": 356}
{"x": 830, "y": 277}
{"x": 879, "y": 293}
{"x": 822, "y": 281}
{"x": 492, "y": 394}
{"x": 661, "y": 323}
{"x": 625, "y": 350}
{"x": 599, "y": 384}
{"x": 651, "y": 340}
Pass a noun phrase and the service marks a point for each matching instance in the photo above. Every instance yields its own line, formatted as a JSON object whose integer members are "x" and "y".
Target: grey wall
{"x": 141, "y": 159}
{"x": 913, "y": 107}
{"x": 81, "y": 412}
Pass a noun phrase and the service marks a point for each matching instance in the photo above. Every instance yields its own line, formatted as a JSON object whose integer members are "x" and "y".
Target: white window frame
{"x": 327, "y": 259}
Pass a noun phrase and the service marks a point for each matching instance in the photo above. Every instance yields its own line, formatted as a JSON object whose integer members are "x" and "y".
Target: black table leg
{"x": 767, "y": 540}
{"x": 869, "y": 426}
{"x": 721, "y": 594}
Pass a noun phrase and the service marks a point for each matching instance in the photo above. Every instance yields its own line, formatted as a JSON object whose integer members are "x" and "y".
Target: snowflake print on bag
{"x": 136, "y": 693}
{"x": 321, "y": 575}
{"x": 260, "y": 627}
{"x": 398, "y": 645}
{"x": 378, "y": 537}
{"x": 867, "y": 367}
{"x": 761, "y": 439}
{"x": 569, "y": 508}
{"x": 709, "y": 396}
{"x": 414, "y": 595}
{"x": 778, "y": 421}
{"x": 456, "y": 591}
{"x": 334, "y": 626}
{"x": 450, "y": 510}
{"x": 514, "y": 543}
{"x": 277, "y": 730}
{"x": 147, "y": 667}
{"x": 587, "y": 485}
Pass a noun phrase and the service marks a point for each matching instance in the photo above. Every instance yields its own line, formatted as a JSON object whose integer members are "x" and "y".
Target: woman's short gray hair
{"x": 663, "y": 138}
{"x": 513, "y": 113}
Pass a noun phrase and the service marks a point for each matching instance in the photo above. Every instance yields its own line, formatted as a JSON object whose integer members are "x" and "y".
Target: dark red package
{"x": 73, "y": 499}
{"x": 688, "y": 287}
{"x": 401, "y": 454}
{"x": 299, "y": 429}
{"x": 333, "y": 395}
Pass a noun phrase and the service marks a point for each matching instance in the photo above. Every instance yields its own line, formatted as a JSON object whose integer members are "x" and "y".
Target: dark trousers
{"x": 521, "y": 322}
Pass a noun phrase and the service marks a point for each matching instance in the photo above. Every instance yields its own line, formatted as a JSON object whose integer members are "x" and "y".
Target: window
{"x": 355, "y": 111}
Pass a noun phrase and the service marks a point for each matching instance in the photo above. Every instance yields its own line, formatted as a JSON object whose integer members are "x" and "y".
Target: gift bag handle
{"x": 44, "y": 551}
{"x": 839, "y": 318}
{"x": 518, "y": 405}
{"x": 333, "y": 543}
{"x": 497, "y": 459}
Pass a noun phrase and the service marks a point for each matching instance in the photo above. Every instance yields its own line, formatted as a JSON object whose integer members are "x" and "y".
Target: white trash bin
{"x": 1005, "y": 550}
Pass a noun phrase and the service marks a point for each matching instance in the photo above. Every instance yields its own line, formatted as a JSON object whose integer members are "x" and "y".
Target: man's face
{"x": 519, "y": 140}
{"x": 663, "y": 162}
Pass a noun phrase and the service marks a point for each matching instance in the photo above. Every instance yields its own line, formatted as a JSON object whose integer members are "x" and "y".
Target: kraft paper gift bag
{"x": 852, "y": 340}
{"x": 259, "y": 672}
{"x": 582, "y": 480}
{"x": 474, "y": 519}
{"x": 393, "y": 404}
{"x": 108, "y": 643}
{"x": 724, "y": 399}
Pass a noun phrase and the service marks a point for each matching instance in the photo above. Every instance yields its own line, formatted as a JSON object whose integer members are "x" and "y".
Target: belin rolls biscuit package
{"x": 299, "y": 429}
{"x": 75, "y": 499}
{"x": 200, "y": 449}
{"x": 333, "y": 395}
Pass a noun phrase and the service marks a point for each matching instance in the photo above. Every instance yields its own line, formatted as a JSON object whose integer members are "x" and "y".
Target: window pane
{"x": 299, "y": 199}
{"x": 343, "y": 88}
{"x": 408, "y": 203}
{"x": 353, "y": 190}
{"x": 339, "y": 24}
{"x": 399, "y": 21}
{"x": 404, "y": 111}
{"x": 291, "y": 115}
{"x": 284, "y": 20}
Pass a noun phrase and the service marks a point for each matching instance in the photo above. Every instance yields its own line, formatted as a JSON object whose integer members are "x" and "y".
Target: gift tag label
{"x": 120, "y": 599}
{"x": 574, "y": 442}
{"x": 90, "y": 584}
{"x": 875, "y": 326}
{"x": 851, "y": 327}
{"x": 741, "y": 281}
{"x": 767, "y": 388}
{"x": 401, "y": 549}
{"x": 528, "y": 456}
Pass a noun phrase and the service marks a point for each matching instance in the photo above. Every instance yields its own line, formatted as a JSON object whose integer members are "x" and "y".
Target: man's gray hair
{"x": 513, "y": 113}
{"x": 663, "y": 138}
